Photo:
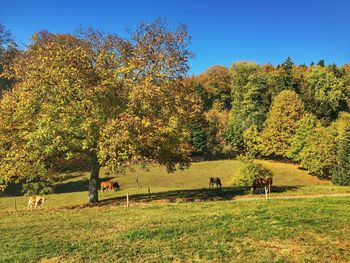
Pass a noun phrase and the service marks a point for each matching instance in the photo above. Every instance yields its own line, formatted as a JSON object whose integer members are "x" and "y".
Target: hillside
{"x": 182, "y": 186}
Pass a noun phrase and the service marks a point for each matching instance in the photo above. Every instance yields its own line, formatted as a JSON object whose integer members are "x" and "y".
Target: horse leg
{"x": 266, "y": 190}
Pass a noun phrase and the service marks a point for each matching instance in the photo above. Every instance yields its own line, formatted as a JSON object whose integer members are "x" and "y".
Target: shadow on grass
{"x": 75, "y": 186}
{"x": 190, "y": 195}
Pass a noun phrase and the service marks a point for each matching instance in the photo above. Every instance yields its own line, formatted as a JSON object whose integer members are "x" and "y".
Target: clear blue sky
{"x": 222, "y": 31}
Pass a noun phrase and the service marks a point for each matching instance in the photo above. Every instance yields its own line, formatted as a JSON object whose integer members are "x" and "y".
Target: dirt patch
{"x": 49, "y": 260}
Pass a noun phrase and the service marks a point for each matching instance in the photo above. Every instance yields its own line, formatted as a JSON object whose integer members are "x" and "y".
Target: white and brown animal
{"x": 35, "y": 202}
{"x": 109, "y": 186}
{"x": 265, "y": 183}
{"x": 2, "y": 187}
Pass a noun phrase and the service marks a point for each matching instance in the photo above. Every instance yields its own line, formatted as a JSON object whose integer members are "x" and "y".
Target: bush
{"x": 251, "y": 171}
{"x": 37, "y": 188}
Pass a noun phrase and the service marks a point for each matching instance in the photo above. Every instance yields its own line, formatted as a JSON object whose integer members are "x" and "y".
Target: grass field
{"x": 188, "y": 185}
{"x": 181, "y": 220}
{"x": 303, "y": 230}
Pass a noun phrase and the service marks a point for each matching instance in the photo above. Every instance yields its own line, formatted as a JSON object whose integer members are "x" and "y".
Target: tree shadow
{"x": 192, "y": 195}
{"x": 75, "y": 186}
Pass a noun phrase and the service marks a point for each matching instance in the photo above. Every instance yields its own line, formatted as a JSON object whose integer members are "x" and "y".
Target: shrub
{"x": 251, "y": 171}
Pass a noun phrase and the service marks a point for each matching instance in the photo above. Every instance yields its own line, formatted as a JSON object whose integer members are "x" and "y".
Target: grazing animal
{"x": 265, "y": 183}
{"x": 109, "y": 186}
{"x": 35, "y": 201}
{"x": 215, "y": 180}
{"x": 2, "y": 187}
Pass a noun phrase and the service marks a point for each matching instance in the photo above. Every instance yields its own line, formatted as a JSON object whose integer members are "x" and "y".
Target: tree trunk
{"x": 93, "y": 182}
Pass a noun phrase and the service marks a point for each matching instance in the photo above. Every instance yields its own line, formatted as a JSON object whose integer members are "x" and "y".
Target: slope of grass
{"x": 181, "y": 186}
{"x": 303, "y": 230}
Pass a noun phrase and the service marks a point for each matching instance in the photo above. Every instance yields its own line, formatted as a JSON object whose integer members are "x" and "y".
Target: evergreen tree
{"x": 241, "y": 73}
{"x": 287, "y": 66}
{"x": 321, "y": 63}
{"x": 198, "y": 139}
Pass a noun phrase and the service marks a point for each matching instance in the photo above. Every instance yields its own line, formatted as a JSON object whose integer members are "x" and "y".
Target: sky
{"x": 223, "y": 32}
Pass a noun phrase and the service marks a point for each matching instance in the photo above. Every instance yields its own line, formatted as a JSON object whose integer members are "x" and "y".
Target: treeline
{"x": 289, "y": 112}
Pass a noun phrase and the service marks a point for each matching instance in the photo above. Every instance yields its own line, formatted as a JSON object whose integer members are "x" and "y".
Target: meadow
{"x": 302, "y": 230}
{"x": 170, "y": 223}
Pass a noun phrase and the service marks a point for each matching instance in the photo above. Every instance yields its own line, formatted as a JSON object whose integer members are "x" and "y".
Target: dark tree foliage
{"x": 8, "y": 51}
{"x": 321, "y": 63}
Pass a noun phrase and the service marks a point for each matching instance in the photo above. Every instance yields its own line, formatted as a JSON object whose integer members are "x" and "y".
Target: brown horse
{"x": 265, "y": 183}
{"x": 109, "y": 186}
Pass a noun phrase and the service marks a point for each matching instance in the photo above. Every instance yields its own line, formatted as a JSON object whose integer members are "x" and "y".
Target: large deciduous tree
{"x": 115, "y": 101}
{"x": 281, "y": 124}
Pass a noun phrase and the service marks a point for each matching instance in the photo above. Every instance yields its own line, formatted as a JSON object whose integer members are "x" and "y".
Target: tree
{"x": 318, "y": 156}
{"x": 341, "y": 170}
{"x": 252, "y": 141}
{"x": 198, "y": 136}
{"x": 216, "y": 81}
{"x": 216, "y": 120}
{"x": 288, "y": 78}
{"x": 281, "y": 124}
{"x": 323, "y": 94}
{"x": 321, "y": 63}
{"x": 8, "y": 51}
{"x": 241, "y": 73}
{"x": 112, "y": 100}
{"x": 305, "y": 128}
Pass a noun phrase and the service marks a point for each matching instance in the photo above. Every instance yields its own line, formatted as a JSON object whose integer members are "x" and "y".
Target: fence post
{"x": 127, "y": 199}
{"x": 15, "y": 204}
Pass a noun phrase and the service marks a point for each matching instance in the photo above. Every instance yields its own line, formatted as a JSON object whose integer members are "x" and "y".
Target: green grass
{"x": 181, "y": 220}
{"x": 181, "y": 186}
{"x": 303, "y": 230}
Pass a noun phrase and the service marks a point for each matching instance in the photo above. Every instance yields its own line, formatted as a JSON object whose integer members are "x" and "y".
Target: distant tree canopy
{"x": 216, "y": 82}
{"x": 116, "y": 101}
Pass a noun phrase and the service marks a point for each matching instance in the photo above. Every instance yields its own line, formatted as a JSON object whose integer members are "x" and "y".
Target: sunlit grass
{"x": 303, "y": 230}
{"x": 288, "y": 180}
